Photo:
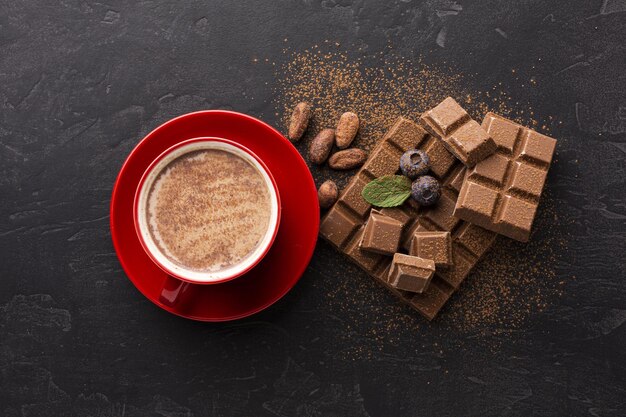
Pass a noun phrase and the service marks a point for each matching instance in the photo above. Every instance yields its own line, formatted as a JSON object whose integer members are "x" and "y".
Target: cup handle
{"x": 173, "y": 291}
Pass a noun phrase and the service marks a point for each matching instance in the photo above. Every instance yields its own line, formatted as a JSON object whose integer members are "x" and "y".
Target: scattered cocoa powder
{"x": 378, "y": 88}
{"x": 378, "y": 91}
{"x": 512, "y": 284}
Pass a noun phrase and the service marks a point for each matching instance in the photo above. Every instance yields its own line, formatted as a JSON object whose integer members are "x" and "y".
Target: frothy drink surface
{"x": 208, "y": 210}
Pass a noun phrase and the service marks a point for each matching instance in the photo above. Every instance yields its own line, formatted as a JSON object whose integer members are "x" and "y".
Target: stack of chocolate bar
{"x": 492, "y": 176}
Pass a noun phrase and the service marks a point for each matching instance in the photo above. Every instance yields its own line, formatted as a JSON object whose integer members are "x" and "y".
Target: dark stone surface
{"x": 81, "y": 82}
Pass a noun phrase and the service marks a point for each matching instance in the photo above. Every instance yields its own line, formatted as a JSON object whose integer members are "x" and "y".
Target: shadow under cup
{"x": 174, "y": 287}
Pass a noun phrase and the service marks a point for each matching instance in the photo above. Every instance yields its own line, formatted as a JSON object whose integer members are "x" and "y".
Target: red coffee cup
{"x": 179, "y": 273}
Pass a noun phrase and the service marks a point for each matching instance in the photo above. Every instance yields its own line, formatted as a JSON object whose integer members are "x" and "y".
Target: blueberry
{"x": 426, "y": 190}
{"x": 414, "y": 163}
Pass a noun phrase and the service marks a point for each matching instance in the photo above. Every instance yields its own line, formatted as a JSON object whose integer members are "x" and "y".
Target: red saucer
{"x": 291, "y": 252}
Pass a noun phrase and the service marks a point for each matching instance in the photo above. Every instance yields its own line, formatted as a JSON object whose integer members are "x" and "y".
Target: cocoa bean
{"x": 346, "y": 129}
{"x": 299, "y": 121}
{"x": 321, "y": 145}
{"x": 327, "y": 194}
{"x": 347, "y": 159}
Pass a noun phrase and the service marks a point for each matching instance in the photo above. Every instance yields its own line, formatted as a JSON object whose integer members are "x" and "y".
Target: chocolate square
{"x": 504, "y": 133}
{"x": 352, "y": 198}
{"x": 460, "y": 134}
{"x": 473, "y": 239}
{"x": 471, "y": 143}
{"x": 339, "y": 226}
{"x": 537, "y": 148}
{"x": 383, "y": 161}
{"x": 493, "y": 169}
{"x": 441, "y": 213}
{"x": 381, "y": 234}
{"x": 436, "y": 246}
{"x": 516, "y": 217}
{"x": 446, "y": 117}
{"x": 428, "y": 303}
{"x": 526, "y": 179}
{"x": 441, "y": 160}
{"x": 410, "y": 273}
{"x": 478, "y": 202}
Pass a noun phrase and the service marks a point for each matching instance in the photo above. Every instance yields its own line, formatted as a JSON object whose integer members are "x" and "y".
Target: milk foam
{"x": 208, "y": 210}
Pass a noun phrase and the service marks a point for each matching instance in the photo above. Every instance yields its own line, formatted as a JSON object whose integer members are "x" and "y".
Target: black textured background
{"x": 81, "y": 82}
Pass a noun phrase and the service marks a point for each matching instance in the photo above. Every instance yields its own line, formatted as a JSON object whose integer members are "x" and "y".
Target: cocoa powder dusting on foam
{"x": 514, "y": 282}
{"x": 208, "y": 210}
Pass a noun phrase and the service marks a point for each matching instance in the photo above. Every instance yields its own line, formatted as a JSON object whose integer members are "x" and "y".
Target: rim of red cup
{"x": 147, "y": 174}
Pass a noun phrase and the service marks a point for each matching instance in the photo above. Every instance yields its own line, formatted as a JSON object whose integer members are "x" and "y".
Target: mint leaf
{"x": 387, "y": 191}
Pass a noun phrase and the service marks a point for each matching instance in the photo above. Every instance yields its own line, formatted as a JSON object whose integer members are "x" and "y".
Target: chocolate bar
{"x": 502, "y": 192}
{"x": 381, "y": 234}
{"x": 410, "y": 273}
{"x": 460, "y": 134}
{"x": 343, "y": 226}
{"x": 432, "y": 245}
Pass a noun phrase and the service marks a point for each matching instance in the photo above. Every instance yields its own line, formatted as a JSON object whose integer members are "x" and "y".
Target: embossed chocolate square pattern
{"x": 502, "y": 192}
{"x": 461, "y": 135}
{"x": 344, "y": 224}
{"x": 410, "y": 273}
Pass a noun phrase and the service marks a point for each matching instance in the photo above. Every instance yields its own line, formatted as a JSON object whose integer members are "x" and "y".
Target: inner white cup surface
{"x": 164, "y": 262}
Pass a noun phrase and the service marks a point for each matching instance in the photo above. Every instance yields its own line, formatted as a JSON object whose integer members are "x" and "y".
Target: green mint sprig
{"x": 387, "y": 191}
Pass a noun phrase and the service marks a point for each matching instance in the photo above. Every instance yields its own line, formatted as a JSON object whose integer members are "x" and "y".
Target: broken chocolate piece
{"x": 381, "y": 234}
{"x": 432, "y": 245}
{"x": 410, "y": 273}
{"x": 461, "y": 135}
{"x": 502, "y": 192}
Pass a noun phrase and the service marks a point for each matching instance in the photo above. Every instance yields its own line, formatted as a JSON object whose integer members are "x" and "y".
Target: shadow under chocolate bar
{"x": 343, "y": 225}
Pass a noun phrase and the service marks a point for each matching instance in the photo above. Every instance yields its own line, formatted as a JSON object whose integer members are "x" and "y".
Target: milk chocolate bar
{"x": 410, "y": 273}
{"x": 461, "y": 135}
{"x": 432, "y": 245}
{"x": 344, "y": 224}
{"x": 502, "y": 192}
{"x": 381, "y": 234}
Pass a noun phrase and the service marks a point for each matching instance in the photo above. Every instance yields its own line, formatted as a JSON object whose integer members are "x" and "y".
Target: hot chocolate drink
{"x": 208, "y": 210}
